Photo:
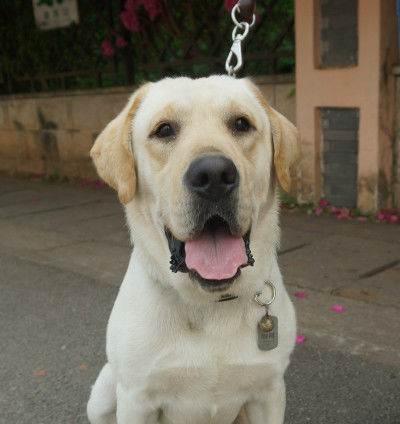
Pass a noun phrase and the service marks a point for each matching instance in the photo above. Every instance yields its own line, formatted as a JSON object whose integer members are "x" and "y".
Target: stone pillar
{"x": 363, "y": 83}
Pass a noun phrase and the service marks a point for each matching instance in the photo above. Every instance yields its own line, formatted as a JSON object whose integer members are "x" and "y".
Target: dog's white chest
{"x": 208, "y": 380}
{"x": 206, "y": 395}
{"x": 197, "y": 364}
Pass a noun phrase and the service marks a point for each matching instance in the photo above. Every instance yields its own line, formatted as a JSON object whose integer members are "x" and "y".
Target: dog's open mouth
{"x": 214, "y": 256}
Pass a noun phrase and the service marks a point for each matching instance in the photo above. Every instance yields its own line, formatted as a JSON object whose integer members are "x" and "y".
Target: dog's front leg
{"x": 131, "y": 411}
{"x": 269, "y": 406}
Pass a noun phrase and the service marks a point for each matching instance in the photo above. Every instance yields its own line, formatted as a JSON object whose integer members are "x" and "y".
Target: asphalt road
{"x": 55, "y": 300}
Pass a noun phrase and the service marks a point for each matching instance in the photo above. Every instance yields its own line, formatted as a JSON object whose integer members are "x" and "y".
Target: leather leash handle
{"x": 247, "y": 9}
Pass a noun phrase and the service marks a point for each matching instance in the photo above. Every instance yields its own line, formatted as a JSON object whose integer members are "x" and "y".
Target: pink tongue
{"x": 215, "y": 256}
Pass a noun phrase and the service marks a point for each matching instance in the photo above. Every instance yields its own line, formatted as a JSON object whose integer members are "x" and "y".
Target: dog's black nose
{"x": 212, "y": 177}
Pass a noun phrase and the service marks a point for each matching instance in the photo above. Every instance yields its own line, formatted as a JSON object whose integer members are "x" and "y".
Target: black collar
{"x": 226, "y": 297}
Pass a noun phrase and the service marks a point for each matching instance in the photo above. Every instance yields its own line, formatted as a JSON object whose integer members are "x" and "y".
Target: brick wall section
{"x": 52, "y": 133}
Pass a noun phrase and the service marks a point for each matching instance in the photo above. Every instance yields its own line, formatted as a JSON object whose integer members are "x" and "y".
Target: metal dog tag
{"x": 267, "y": 332}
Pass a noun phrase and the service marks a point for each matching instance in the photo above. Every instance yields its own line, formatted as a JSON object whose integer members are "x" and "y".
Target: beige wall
{"x": 396, "y": 156}
{"x": 366, "y": 86}
{"x": 52, "y": 133}
{"x": 387, "y": 105}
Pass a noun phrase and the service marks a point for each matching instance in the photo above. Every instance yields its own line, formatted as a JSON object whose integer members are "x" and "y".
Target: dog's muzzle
{"x": 215, "y": 251}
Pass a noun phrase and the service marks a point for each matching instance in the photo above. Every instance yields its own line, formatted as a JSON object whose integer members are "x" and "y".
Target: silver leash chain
{"x": 234, "y": 61}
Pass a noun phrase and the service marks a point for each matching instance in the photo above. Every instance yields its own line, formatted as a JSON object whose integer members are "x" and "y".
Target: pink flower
{"x": 129, "y": 17}
{"x": 323, "y": 203}
{"x": 130, "y": 21}
{"x": 362, "y": 219}
{"x": 318, "y": 211}
{"x": 300, "y": 339}
{"x": 338, "y": 309}
{"x": 107, "y": 49}
{"x": 120, "y": 42}
{"x": 394, "y": 219}
{"x": 301, "y": 295}
{"x": 229, "y": 4}
{"x": 153, "y": 8}
{"x": 132, "y": 5}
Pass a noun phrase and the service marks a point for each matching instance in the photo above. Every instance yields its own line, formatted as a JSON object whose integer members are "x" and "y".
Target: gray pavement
{"x": 64, "y": 250}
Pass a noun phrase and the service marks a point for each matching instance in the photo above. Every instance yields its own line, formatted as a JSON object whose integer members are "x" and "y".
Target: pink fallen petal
{"x": 344, "y": 213}
{"x": 301, "y": 295}
{"x": 300, "y": 339}
{"x": 381, "y": 216}
{"x": 338, "y": 309}
{"x": 362, "y": 219}
{"x": 40, "y": 373}
{"x": 318, "y": 211}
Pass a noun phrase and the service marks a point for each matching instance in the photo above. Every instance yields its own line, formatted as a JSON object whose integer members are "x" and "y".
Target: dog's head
{"x": 195, "y": 162}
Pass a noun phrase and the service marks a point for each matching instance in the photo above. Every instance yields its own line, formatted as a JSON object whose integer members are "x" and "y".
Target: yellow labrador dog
{"x": 197, "y": 162}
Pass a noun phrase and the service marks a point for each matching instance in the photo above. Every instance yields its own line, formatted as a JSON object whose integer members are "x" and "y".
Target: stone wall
{"x": 51, "y": 133}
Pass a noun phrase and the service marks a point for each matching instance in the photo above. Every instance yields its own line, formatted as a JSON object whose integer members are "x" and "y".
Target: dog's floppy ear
{"x": 112, "y": 151}
{"x": 286, "y": 148}
{"x": 285, "y": 141}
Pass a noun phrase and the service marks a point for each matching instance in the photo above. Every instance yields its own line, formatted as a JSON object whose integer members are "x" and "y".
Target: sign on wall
{"x": 51, "y": 14}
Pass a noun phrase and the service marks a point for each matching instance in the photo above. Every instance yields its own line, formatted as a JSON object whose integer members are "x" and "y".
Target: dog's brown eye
{"x": 242, "y": 125}
{"x": 164, "y": 130}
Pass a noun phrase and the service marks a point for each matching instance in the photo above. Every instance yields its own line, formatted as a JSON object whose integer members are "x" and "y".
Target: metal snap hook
{"x": 234, "y": 54}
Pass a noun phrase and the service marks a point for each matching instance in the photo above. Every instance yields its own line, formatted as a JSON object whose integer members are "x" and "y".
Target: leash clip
{"x": 236, "y": 54}
{"x": 234, "y": 61}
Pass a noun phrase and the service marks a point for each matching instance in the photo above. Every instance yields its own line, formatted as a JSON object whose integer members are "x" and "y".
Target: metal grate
{"x": 338, "y": 24}
{"x": 340, "y": 154}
